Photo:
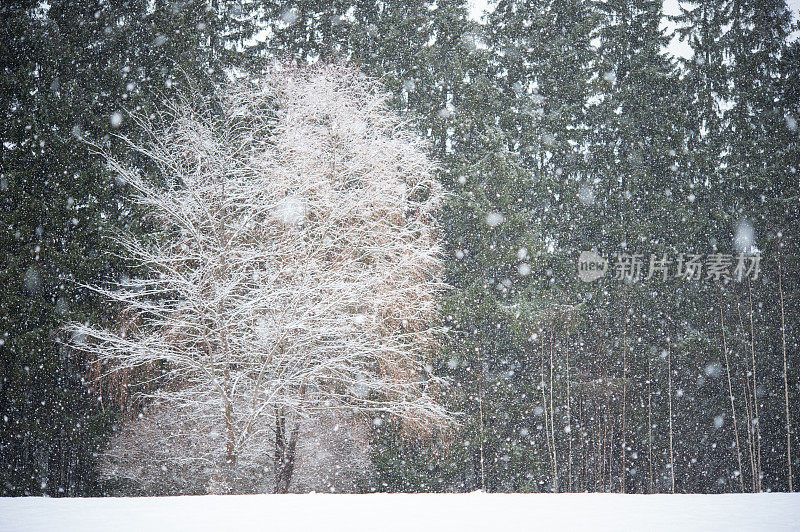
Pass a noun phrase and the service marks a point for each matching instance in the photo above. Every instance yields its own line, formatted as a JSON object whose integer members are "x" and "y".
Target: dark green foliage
{"x": 72, "y": 71}
{"x": 560, "y": 126}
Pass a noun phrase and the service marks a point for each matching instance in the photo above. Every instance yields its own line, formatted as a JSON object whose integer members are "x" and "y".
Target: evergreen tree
{"x": 71, "y": 69}
{"x": 760, "y": 169}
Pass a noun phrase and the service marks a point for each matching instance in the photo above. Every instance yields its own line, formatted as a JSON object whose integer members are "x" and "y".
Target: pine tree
{"x": 71, "y": 71}
{"x": 761, "y": 186}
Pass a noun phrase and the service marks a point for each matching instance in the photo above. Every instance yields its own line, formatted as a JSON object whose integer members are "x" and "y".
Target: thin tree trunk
{"x": 733, "y": 406}
{"x": 649, "y": 422}
{"x": 569, "y": 415}
{"x": 480, "y": 410}
{"x": 624, "y": 389}
{"x": 750, "y": 442}
{"x": 583, "y": 448}
{"x": 751, "y": 445}
{"x": 280, "y": 444}
{"x": 545, "y": 410}
{"x": 785, "y": 384}
{"x": 223, "y": 476}
{"x": 552, "y": 411}
{"x": 757, "y": 420}
{"x": 602, "y": 420}
{"x": 285, "y": 453}
{"x": 611, "y": 457}
{"x": 598, "y": 481}
{"x": 669, "y": 393}
{"x": 285, "y": 449}
{"x": 608, "y": 435}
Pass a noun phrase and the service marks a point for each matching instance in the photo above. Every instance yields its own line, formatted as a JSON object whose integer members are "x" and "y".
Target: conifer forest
{"x": 529, "y": 246}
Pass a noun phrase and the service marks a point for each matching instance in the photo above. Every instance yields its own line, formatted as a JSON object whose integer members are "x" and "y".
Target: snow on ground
{"x": 407, "y": 512}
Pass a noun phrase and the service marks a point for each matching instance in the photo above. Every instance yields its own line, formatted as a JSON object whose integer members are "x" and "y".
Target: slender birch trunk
{"x": 599, "y": 482}
{"x": 545, "y": 411}
{"x": 480, "y": 410}
{"x": 757, "y": 421}
{"x": 649, "y": 422}
{"x": 785, "y": 384}
{"x": 624, "y": 389}
{"x": 750, "y": 440}
{"x": 569, "y": 416}
{"x": 733, "y": 406}
{"x": 611, "y": 456}
{"x": 669, "y": 393}
{"x": 608, "y": 435}
{"x": 751, "y": 446}
{"x": 552, "y": 411}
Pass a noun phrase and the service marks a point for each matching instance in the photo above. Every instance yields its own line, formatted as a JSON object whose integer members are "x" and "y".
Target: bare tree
{"x": 163, "y": 452}
{"x": 294, "y": 268}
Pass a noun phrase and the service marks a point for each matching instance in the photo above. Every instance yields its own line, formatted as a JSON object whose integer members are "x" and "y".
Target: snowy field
{"x": 407, "y": 512}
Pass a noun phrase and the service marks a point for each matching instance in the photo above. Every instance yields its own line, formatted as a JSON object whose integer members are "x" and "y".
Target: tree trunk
{"x": 223, "y": 478}
{"x": 785, "y": 385}
{"x": 733, "y": 405}
{"x": 757, "y": 422}
{"x": 650, "y": 422}
{"x": 545, "y": 411}
{"x": 552, "y": 410}
{"x": 569, "y": 412}
{"x": 285, "y": 452}
{"x": 669, "y": 396}
{"x": 623, "y": 467}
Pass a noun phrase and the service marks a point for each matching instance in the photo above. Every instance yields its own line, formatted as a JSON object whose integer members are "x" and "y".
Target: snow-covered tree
{"x": 294, "y": 268}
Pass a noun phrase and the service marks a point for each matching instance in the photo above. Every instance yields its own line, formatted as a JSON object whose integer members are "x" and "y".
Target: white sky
{"x": 670, "y": 8}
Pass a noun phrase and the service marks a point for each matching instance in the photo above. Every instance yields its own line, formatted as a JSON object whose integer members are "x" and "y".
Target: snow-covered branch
{"x": 296, "y": 266}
